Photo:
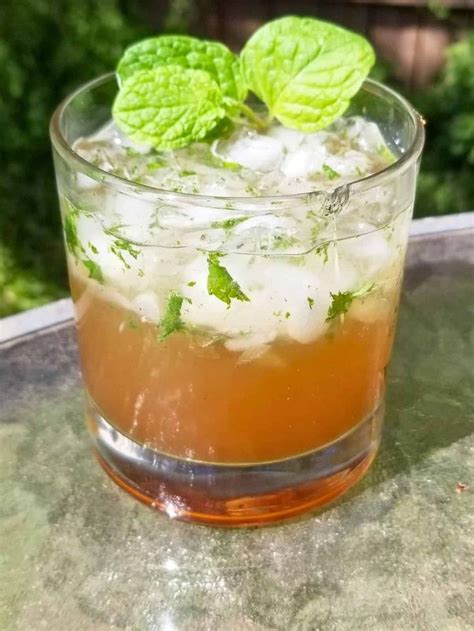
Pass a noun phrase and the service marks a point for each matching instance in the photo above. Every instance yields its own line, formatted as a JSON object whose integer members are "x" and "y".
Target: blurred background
{"x": 425, "y": 50}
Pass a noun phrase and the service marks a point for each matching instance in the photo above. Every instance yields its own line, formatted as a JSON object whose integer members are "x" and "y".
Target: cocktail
{"x": 235, "y": 266}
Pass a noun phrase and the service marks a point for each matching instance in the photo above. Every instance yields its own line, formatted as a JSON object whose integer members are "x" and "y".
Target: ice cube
{"x": 291, "y": 139}
{"x": 130, "y": 216}
{"x": 86, "y": 183}
{"x": 146, "y": 304}
{"x": 125, "y": 266}
{"x": 349, "y": 163}
{"x": 254, "y": 151}
{"x": 370, "y": 252}
{"x": 366, "y": 134}
{"x": 303, "y": 162}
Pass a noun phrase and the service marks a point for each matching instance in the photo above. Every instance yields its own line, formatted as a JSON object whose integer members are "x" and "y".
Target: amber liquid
{"x": 192, "y": 401}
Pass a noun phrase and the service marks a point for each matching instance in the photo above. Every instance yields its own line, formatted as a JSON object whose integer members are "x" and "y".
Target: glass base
{"x": 236, "y": 495}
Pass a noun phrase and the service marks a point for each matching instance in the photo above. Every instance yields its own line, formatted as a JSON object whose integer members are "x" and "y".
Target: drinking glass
{"x": 235, "y": 420}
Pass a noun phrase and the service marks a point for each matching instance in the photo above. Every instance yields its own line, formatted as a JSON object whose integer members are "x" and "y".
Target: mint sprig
{"x": 174, "y": 90}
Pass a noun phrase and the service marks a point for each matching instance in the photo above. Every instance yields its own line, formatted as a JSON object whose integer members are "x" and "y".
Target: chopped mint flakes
{"x": 283, "y": 242}
{"x": 94, "y": 270}
{"x": 119, "y": 246}
{"x": 323, "y": 251}
{"x": 70, "y": 229}
{"x": 343, "y": 300}
{"x": 171, "y": 321}
{"x": 191, "y": 283}
{"x": 330, "y": 173}
{"x": 228, "y": 224}
{"x": 310, "y": 302}
{"x": 220, "y": 283}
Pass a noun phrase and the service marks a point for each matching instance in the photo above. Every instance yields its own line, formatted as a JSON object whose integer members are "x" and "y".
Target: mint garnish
{"x": 168, "y": 107}
{"x": 220, "y": 283}
{"x": 343, "y": 300}
{"x": 171, "y": 321}
{"x": 189, "y": 53}
{"x": 175, "y": 90}
{"x": 306, "y": 70}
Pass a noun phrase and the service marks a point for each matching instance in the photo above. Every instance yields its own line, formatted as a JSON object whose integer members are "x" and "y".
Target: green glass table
{"x": 395, "y": 553}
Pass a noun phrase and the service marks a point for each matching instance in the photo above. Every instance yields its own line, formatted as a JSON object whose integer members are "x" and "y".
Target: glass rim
{"x": 362, "y": 184}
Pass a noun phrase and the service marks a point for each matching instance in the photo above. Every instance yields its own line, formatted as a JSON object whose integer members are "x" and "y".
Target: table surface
{"x": 395, "y": 553}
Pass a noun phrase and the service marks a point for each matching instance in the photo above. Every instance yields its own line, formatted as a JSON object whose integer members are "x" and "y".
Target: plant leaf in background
{"x": 188, "y": 52}
{"x": 306, "y": 70}
{"x": 168, "y": 107}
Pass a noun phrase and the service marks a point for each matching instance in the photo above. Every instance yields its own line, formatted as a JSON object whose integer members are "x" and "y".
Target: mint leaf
{"x": 306, "y": 70}
{"x": 188, "y": 52}
{"x": 310, "y": 302}
{"x": 168, "y": 107}
{"x": 283, "y": 242}
{"x": 343, "y": 300}
{"x": 220, "y": 283}
{"x": 95, "y": 271}
{"x": 171, "y": 321}
{"x": 323, "y": 251}
{"x": 228, "y": 224}
{"x": 330, "y": 173}
{"x": 119, "y": 246}
{"x": 70, "y": 231}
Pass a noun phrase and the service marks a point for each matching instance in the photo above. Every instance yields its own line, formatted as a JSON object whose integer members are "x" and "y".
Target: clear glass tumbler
{"x": 259, "y": 412}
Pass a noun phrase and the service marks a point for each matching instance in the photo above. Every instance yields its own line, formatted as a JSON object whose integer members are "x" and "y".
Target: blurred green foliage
{"x": 48, "y": 48}
{"x": 446, "y": 181}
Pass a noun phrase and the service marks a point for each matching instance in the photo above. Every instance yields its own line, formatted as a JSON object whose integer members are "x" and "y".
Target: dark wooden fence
{"x": 408, "y": 34}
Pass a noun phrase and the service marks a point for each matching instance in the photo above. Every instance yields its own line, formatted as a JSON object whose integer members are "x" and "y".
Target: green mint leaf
{"x": 386, "y": 155}
{"x": 168, "y": 107}
{"x": 306, "y": 70}
{"x": 119, "y": 246}
{"x": 323, "y": 251}
{"x": 70, "y": 232}
{"x": 188, "y": 52}
{"x": 310, "y": 302}
{"x": 228, "y": 224}
{"x": 220, "y": 283}
{"x": 191, "y": 283}
{"x": 283, "y": 242}
{"x": 342, "y": 301}
{"x": 171, "y": 321}
{"x": 330, "y": 173}
{"x": 95, "y": 271}
{"x": 132, "y": 324}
